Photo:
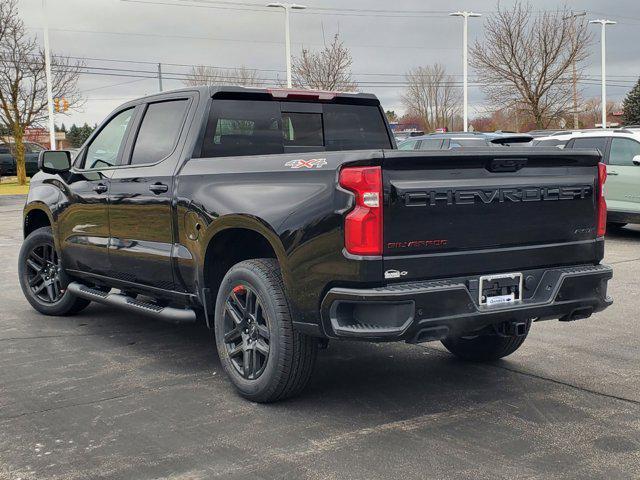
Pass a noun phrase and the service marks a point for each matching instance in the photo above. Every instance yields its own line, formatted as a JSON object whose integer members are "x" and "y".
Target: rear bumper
{"x": 431, "y": 310}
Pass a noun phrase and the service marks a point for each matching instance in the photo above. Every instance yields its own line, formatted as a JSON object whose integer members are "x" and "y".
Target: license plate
{"x": 500, "y": 289}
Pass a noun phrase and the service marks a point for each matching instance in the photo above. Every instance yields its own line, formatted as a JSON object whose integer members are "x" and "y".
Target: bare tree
{"x": 592, "y": 111}
{"x": 327, "y": 69}
{"x": 526, "y": 58}
{"x": 432, "y": 95}
{"x": 23, "y": 91}
{"x": 207, "y": 75}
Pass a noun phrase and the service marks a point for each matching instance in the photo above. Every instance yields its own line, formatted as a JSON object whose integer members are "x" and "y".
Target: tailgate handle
{"x": 507, "y": 164}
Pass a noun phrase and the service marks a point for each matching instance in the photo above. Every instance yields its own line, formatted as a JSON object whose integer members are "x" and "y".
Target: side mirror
{"x": 54, "y": 161}
{"x": 636, "y": 160}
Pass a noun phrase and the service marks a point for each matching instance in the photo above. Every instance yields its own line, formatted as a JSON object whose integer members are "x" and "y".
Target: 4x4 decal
{"x": 311, "y": 163}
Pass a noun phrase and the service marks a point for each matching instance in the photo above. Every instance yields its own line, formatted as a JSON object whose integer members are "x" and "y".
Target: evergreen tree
{"x": 63, "y": 128}
{"x": 631, "y": 106}
{"x": 85, "y": 132}
{"x": 78, "y": 135}
{"x": 73, "y": 135}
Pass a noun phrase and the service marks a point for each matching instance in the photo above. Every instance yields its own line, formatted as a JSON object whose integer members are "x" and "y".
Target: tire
{"x": 484, "y": 348}
{"x": 62, "y": 303}
{"x": 285, "y": 368}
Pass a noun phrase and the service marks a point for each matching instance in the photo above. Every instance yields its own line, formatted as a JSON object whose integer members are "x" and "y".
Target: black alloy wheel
{"x": 264, "y": 357}
{"x": 43, "y": 273}
{"x": 246, "y": 332}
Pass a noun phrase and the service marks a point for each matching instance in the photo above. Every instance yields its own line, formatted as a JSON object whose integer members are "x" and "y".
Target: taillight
{"x": 602, "y": 204}
{"x": 363, "y": 224}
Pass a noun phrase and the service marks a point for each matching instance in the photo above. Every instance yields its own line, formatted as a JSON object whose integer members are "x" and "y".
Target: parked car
{"x": 445, "y": 141}
{"x": 286, "y": 218}
{"x": 558, "y": 140}
{"x": 8, "y": 165}
{"x": 621, "y": 153}
{"x": 543, "y": 132}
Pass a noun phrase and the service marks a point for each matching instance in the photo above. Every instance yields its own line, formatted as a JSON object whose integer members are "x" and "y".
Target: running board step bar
{"x": 166, "y": 314}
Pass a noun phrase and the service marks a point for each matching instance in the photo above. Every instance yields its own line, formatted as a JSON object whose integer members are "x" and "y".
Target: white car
{"x": 621, "y": 152}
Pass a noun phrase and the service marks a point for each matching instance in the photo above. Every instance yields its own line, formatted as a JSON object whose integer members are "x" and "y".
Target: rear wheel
{"x": 484, "y": 348}
{"x": 42, "y": 279}
{"x": 265, "y": 358}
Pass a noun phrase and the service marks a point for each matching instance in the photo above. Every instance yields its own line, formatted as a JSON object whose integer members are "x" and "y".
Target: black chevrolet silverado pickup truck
{"x": 285, "y": 218}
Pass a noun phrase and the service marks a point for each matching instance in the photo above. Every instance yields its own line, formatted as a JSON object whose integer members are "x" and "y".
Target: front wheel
{"x": 42, "y": 278}
{"x": 484, "y": 348}
{"x": 265, "y": 358}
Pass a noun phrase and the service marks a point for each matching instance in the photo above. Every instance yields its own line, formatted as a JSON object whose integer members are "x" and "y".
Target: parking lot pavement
{"x": 110, "y": 395}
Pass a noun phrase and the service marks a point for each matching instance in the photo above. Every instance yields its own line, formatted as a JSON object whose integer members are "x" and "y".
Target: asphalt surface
{"x": 109, "y": 395}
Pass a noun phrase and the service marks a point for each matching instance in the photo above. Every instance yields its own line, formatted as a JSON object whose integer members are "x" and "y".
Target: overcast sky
{"x": 384, "y": 43}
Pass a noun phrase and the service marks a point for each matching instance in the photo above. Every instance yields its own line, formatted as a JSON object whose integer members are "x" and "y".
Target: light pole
{"x": 287, "y": 7}
{"x": 573, "y": 17}
{"x": 47, "y": 72}
{"x": 465, "y": 15}
{"x": 603, "y": 24}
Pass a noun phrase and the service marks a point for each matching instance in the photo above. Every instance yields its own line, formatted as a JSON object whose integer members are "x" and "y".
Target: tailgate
{"x": 464, "y": 212}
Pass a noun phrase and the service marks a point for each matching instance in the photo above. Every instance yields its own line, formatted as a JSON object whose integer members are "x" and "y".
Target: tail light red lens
{"x": 363, "y": 224}
{"x": 602, "y": 204}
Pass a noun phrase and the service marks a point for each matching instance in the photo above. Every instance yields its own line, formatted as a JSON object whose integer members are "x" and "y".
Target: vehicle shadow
{"x": 349, "y": 376}
{"x": 630, "y": 232}
{"x": 368, "y": 407}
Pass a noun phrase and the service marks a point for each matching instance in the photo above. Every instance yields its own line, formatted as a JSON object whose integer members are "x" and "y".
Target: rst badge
{"x": 311, "y": 163}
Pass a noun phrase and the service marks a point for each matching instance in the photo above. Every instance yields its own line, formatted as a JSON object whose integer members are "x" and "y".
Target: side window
{"x": 591, "y": 142}
{"x": 407, "y": 145}
{"x": 35, "y": 148}
{"x": 103, "y": 150}
{"x": 622, "y": 151}
{"x": 159, "y": 131}
{"x": 243, "y": 127}
{"x": 431, "y": 144}
{"x": 302, "y": 129}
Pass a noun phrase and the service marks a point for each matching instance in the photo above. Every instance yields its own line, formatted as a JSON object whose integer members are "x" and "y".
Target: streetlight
{"x": 603, "y": 23}
{"x": 465, "y": 15}
{"x": 287, "y": 7}
{"x": 48, "y": 76}
{"x": 573, "y": 17}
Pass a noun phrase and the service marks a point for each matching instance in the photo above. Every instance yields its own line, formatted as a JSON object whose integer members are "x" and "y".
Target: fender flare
{"x": 247, "y": 222}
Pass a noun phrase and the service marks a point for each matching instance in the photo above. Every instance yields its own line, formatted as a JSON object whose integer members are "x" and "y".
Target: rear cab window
{"x": 159, "y": 131}
{"x": 262, "y": 127}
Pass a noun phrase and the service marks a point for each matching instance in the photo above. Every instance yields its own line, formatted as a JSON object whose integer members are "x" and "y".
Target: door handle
{"x": 158, "y": 188}
{"x": 612, "y": 172}
{"x": 100, "y": 188}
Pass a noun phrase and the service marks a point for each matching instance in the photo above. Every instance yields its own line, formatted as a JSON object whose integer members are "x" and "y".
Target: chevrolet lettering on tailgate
{"x": 449, "y": 196}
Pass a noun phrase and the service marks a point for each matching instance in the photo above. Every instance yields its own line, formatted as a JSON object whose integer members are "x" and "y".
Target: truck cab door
{"x": 83, "y": 223}
{"x": 140, "y": 198}
{"x": 622, "y": 189}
